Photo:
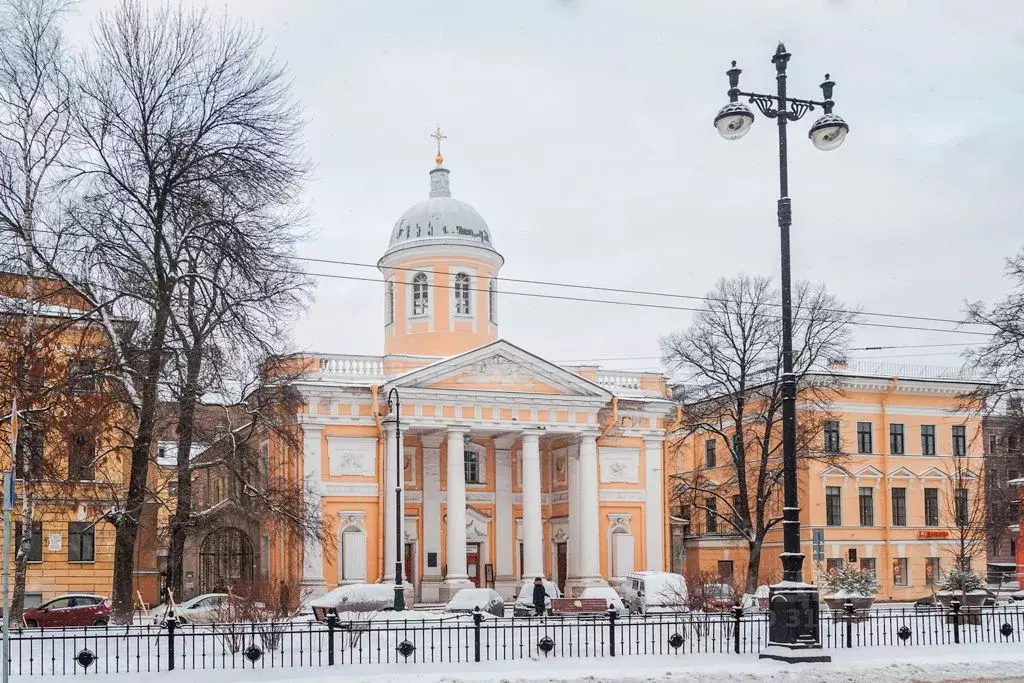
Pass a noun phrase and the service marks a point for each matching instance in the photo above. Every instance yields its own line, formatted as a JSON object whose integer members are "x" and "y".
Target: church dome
{"x": 440, "y": 219}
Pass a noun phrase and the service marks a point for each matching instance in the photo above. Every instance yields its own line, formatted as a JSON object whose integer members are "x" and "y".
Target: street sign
{"x": 9, "y": 491}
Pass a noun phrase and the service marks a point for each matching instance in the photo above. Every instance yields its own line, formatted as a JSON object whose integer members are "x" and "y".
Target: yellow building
{"x": 71, "y": 436}
{"x": 878, "y": 487}
{"x": 513, "y": 466}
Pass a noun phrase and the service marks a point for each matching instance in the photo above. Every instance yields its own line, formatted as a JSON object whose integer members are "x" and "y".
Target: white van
{"x": 655, "y": 592}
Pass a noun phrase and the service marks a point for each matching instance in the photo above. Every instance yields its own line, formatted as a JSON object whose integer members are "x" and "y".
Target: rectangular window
{"x": 927, "y": 439}
{"x": 931, "y": 507}
{"x": 896, "y": 446}
{"x": 832, "y": 436}
{"x": 737, "y": 519}
{"x": 993, "y": 442}
{"x": 81, "y": 542}
{"x": 725, "y": 572}
{"x": 81, "y": 457}
{"x": 711, "y": 516}
{"x": 818, "y": 544}
{"x": 900, "y": 572}
{"x": 867, "y": 506}
{"x": 35, "y": 551}
{"x": 864, "y": 437}
{"x": 834, "y": 563}
{"x": 82, "y": 376}
{"x": 492, "y": 300}
{"x": 932, "y": 571}
{"x": 710, "y": 459}
{"x": 833, "y": 506}
{"x": 389, "y": 302}
{"x": 962, "y": 517}
{"x": 959, "y": 440}
{"x": 899, "y": 507}
{"x": 31, "y": 442}
{"x": 472, "y": 464}
{"x": 867, "y": 564}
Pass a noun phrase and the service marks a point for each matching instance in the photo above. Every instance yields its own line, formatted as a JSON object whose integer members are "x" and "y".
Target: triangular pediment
{"x": 500, "y": 367}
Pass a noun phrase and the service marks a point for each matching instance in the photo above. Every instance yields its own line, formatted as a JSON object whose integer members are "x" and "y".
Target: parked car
{"x": 357, "y": 598}
{"x": 650, "y": 591}
{"x": 611, "y": 598}
{"x": 468, "y": 599}
{"x": 208, "y": 608}
{"x": 717, "y": 597}
{"x": 524, "y": 602}
{"x": 75, "y": 609}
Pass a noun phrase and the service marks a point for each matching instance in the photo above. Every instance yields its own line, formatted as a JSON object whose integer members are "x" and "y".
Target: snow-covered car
{"x": 717, "y": 597}
{"x": 756, "y": 601}
{"x": 358, "y": 598}
{"x": 524, "y": 602}
{"x": 608, "y": 594}
{"x": 652, "y": 591}
{"x": 209, "y": 608}
{"x": 468, "y": 599}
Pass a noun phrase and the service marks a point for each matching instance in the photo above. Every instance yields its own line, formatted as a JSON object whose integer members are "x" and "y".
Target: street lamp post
{"x": 394, "y": 410}
{"x": 793, "y": 603}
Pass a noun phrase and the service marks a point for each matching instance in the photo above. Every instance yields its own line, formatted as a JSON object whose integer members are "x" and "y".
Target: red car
{"x": 76, "y": 609}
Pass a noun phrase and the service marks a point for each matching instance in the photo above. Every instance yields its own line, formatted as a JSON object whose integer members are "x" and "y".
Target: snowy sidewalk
{"x": 967, "y": 663}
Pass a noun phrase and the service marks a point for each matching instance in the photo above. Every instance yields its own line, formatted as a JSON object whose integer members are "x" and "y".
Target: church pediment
{"x": 500, "y": 367}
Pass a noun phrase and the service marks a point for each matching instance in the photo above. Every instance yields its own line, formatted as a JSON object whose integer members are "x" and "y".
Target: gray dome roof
{"x": 441, "y": 217}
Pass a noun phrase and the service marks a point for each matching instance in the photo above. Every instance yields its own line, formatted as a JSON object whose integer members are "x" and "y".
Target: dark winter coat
{"x": 539, "y": 596}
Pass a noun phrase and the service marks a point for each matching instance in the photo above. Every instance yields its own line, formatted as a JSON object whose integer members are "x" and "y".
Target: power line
{"x": 855, "y": 348}
{"x": 641, "y": 292}
{"x": 635, "y": 304}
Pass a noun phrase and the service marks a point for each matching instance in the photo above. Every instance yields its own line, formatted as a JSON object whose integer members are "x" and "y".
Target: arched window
{"x": 420, "y": 294}
{"x": 492, "y": 300}
{"x": 462, "y": 294}
{"x": 389, "y": 303}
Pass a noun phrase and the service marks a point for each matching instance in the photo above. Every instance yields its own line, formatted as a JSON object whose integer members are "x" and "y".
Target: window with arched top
{"x": 420, "y": 294}
{"x": 492, "y": 300}
{"x": 389, "y": 303}
{"x": 462, "y": 294}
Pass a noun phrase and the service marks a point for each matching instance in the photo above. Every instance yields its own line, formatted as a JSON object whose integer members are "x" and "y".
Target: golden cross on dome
{"x": 438, "y": 135}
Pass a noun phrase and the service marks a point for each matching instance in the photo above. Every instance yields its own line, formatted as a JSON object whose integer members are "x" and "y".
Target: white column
{"x": 391, "y": 456}
{"x": 573, "y": 560}
{"x": 654, "y": 505}
{"x": 455, "y": 526}
{"x": 504, "y": 535}
{"x": 590, "y": 542}
{"x": 431, "y": 516}
{"x": 533, "y": 529}
{"x": 313, "y": 583}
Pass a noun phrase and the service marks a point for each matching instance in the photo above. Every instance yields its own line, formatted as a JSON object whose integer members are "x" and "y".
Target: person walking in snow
{"x": 539, "y": 596}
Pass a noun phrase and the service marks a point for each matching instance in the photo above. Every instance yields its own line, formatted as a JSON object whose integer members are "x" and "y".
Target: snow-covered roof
{"x": 167, "y": 452}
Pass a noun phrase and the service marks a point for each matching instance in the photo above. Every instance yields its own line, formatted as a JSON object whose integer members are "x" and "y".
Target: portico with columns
{"x": 512, "y": 466}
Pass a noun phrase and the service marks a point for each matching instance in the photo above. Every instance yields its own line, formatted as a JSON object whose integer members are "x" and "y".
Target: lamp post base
{"x": 793, "y": 628}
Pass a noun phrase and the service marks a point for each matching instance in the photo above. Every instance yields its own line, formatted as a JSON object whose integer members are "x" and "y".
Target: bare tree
{"x": 966, "y": 516}
{"x": 172, "y": 106}
{"x": 34, "y": 131}
{"x": 731, "y": 359}
{"x": 1002, "y": 358}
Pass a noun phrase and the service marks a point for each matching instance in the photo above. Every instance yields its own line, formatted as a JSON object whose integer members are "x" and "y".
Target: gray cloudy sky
{"x": 582, "y": 131}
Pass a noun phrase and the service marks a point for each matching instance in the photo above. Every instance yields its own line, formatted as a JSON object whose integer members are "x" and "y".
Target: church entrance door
{"x": 560, "y": 555}
{"x": 473, "y": 563}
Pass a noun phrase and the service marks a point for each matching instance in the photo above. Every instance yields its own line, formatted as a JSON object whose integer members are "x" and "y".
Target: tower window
{"x": 462, "y": 294}
{"x": 389, "y": 303}
{"x": 492, "y": 300}
{"x": 420, "y": 294}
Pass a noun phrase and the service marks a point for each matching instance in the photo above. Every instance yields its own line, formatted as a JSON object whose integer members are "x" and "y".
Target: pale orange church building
{"x": 513, "y": 466}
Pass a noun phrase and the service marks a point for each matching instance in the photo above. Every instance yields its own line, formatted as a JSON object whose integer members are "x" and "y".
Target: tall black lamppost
{"x": 794, "y": 604}
{"x": 394, "y": 410}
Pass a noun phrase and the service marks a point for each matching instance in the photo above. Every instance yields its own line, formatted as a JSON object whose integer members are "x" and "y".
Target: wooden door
{"x": 473, "y": 563}
{"x": 409, "y": 564}
{"x": 560, "y": 554}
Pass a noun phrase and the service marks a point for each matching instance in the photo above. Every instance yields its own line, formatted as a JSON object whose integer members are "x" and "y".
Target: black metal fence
{"x": 475, "y": 638}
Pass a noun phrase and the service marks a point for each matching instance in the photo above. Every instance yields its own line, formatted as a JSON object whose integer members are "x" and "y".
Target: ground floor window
{"x": 834, "y": 563}
{"x": 900, "y": 572}
{"x": 622, "y": 552}
{"x": 725, "y": 572}
{"x": 867, "y": 564}
{"x": 932, "y": 571}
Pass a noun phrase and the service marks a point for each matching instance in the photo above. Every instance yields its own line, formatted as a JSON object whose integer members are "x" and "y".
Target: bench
{"x": 578, "y": 606}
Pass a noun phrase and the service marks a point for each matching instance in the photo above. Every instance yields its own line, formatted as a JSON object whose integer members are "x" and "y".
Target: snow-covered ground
{"x": 967, "y": 663}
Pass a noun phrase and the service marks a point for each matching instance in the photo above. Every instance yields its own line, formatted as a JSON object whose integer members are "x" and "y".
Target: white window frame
{"x": 481, "y": 463}
{"x": 462, "y": 288}
{"x": 492, "y": 301}
{"x": 389, "y": 303}
{"x": 417, "y": 280}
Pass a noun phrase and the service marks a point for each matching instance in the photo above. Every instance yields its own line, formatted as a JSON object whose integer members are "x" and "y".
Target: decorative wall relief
{"x": 352, "y": 456}
{"x": 620, "y": 465}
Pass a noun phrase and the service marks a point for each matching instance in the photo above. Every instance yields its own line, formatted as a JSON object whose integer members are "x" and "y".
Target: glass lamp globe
{"x": 828, "y": 132}
{"x": 734, "y": 120}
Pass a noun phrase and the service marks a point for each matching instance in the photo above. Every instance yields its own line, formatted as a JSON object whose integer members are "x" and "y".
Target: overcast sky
{"x": 582, "y": 131}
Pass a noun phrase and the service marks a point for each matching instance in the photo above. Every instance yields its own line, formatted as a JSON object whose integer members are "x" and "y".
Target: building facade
{"x": 512, "y": 467}
{"x": 901, "y": 491}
